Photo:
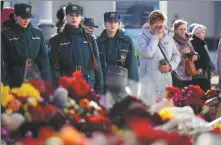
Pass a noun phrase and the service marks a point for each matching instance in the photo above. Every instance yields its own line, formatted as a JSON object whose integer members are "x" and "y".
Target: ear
{"x": 15, "y": 17}
{"x": 82, "y": 18}
{"x": 105, "y": 24}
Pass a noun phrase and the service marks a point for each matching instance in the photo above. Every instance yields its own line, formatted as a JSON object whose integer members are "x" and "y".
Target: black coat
{"x": 203, "y": 62}
{"x": 74, "y": 52}
{"x": 201, "y": 48}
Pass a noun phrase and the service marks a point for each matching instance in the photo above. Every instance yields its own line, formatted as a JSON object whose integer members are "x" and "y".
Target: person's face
{"x": 91, "y": 29}
{"x": 23, "y": 22}
{"x": 181, "y": 30}
{"x": 73, "y": 19}
{"x": 202, "y": 34}
{"x": 157, "y": 25}
{"x": 112, "y": 26}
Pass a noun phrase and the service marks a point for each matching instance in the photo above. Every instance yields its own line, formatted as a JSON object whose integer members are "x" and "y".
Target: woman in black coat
{"x": 203, "y": 65}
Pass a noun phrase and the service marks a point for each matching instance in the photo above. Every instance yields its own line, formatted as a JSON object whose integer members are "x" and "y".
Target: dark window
{"x": 135, "y": 14}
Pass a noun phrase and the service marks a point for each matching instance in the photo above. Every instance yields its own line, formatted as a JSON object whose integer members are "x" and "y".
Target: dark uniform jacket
{"x": 118, "y": 48}
{"x": 18, "y": 45}
{"x": 69, "y": 51}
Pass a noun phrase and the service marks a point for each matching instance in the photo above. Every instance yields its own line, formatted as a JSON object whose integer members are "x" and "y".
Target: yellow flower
{"x": 165, "y": 114}
{"x": 217, "y": 126}
{"x": 167, "y": 94}
{"x": 9, "y": 111}
{"x": 116, "y": 130}
{"x": 31, "y": 102}
{"x": 6, "y": 97}
{"x": 25, "y": 107}
{"x": 25, "y": 91}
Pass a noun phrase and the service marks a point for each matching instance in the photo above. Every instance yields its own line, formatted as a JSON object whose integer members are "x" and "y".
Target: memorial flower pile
{"x": 38, "y": 113}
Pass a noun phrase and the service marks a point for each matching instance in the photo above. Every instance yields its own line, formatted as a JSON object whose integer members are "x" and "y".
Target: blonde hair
{"x": 121, "y": 25}
{"x": 177, "y": 23}
{"x": 155, "y": 16}
{"x": 198, "y": 28}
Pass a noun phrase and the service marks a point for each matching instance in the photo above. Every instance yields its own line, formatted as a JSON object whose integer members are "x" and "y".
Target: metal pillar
{"x": 45, "y": 20}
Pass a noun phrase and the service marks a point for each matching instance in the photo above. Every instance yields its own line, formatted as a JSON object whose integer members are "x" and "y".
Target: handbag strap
{"x": 89, "y": 41}
{"x": 105, "y": 59}
{"x": 104, "y": 56}
{"x": 163, "y": 54}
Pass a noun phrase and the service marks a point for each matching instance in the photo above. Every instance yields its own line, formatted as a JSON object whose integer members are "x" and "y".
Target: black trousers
{"x": 203, "y": 83}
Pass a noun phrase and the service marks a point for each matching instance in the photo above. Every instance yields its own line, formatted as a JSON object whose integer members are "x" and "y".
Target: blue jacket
{"x": 70, "y": 50}
{"x": 118, "y": 48}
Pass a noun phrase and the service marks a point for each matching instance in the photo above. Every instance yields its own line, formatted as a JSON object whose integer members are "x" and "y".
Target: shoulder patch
{"x": 3, "y": 29}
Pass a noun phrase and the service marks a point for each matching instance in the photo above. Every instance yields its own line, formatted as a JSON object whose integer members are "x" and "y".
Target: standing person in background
{"x": 116, "y": 48}
{"x": 75, "y": 50}
{"x": 61, "y": 19}
{"x": 153, "y": 65}
{"x": 182, "y": 40}
{"x": 89, "y": 25}
{"x": 7, "y": 17}
{"x": 218, "y": 113}
{"x": 219, "y": 63}
{"x": 191, "y": 26}
{"x": 23, "y": 48}
{"x": 7, "y": 20}
{"x": 203, "y": 64}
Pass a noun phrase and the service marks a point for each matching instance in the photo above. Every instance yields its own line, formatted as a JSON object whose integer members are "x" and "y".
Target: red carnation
{"x": 79, "y": 84}
{"x": 32, "y": 141}
{"x": 76, "y": 117}
{"x": 48, "y": 110}
{"x": 45, "y": 132}
{"x": 65, "y": 82}
{"x": 45, "y": 88}
{"x": 98, "y": 120}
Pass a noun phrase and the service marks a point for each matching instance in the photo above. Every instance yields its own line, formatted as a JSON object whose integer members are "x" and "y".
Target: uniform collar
{"x": 70, "y": 30}
{"x": 18, "y": 27}
{"x": 119, "y": 34}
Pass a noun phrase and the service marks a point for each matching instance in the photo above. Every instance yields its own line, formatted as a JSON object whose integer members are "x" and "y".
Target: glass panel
{"x": 135, "y": 14}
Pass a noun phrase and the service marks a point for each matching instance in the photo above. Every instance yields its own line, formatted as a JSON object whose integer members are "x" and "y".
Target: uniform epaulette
{"x": 3, "y": 29}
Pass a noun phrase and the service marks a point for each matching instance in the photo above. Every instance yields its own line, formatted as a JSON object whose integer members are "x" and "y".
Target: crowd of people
{"x": 167, "y": 56}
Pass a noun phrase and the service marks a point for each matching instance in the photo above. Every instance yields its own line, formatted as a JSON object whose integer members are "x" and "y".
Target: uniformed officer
{"x": 74, "y": 49}
{"x": 23, "y": 47}
{"x": 61, "y": 19}
{"x": 89, "y": 24}
{"x": 114, "y": 46}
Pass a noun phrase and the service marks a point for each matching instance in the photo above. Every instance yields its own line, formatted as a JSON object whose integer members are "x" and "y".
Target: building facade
{"x": 135, "y": 13}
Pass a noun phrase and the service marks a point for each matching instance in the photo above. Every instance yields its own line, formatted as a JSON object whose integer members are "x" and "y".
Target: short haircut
{"x": 155, "y": 16}
{"x": 198, "y": 28}
{"x": 177, "y": 23}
